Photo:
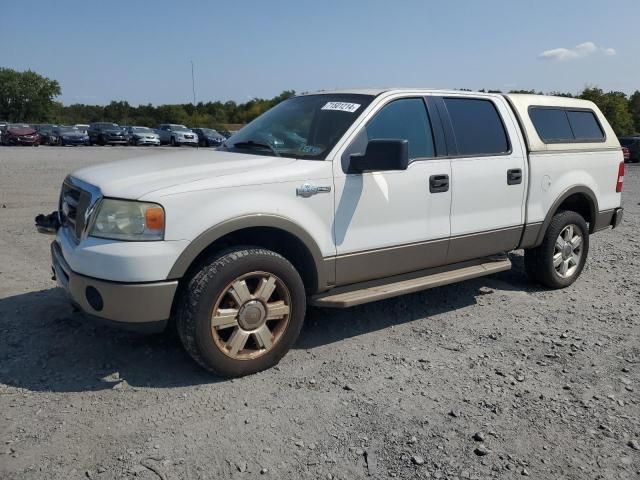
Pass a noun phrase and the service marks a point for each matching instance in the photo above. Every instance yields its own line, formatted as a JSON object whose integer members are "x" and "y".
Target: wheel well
{"x": 581, "y": 204}
{"x": 279, "y": 241}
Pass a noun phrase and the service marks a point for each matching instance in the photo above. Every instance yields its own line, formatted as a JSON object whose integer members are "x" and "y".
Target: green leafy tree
{"x": 634, "y": 107}
{"x": 614, "y": 106}
{"x": 26, "y": 96}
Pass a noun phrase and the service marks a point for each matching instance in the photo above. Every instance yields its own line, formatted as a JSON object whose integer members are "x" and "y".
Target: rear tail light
{"x": 620, "y": 178}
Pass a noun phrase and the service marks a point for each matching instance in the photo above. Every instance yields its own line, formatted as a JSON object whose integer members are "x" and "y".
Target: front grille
{"x": 74, "y": 203}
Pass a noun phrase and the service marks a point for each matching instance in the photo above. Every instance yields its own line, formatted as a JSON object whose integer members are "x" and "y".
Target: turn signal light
{"x": 620, "y": 178}
{"x": 154, "y": 218}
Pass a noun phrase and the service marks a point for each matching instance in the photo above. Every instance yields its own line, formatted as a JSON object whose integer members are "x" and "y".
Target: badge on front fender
{"x": 308, "y": 189}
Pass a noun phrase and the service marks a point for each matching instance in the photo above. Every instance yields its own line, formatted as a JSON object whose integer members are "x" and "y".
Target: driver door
{"x": 393, "y": 222}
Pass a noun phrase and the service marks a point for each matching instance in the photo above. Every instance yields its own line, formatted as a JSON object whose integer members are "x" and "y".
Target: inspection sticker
{"x": 341, "y": 106}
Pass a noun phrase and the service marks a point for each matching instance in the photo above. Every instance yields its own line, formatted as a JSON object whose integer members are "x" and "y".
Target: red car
{"x": 20, "y": 134}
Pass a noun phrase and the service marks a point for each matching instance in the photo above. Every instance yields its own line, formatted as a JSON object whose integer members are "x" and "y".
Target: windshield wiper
{"x": 252, "y": 144}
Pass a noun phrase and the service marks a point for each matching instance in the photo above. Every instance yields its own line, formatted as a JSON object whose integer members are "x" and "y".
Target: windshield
{"x": 209, "y": 131}
{"x": 67, "y": 129}
{"x": 141, "y": 130}
{"x": 301, "y": 127}
{"x": 179, "y": 128}
{"x": 626, "y": 141}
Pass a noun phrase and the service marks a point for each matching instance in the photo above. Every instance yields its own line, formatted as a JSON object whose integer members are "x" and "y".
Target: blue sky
{"x": 140, "y": 51}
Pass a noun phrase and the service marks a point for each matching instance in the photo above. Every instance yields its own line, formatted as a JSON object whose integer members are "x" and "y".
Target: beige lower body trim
{"x": 134, "y": 303}
{"x": 475, "y": 245}
{"x": 362, "y": 266}
{"x": 386, "y": 262}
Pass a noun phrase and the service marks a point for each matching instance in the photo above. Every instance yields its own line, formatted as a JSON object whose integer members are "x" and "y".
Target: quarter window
{"x": 477, "y": 126}
{"x": 404, "y": 119}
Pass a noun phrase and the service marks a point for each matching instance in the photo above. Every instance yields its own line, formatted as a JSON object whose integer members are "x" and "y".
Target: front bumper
{"x": 186, "y": 141}
{"x": 23, "y": 141}
{"x": 140, "y": 305}
{"x": 147, "y": 141}
{"x": 74, "y": 141}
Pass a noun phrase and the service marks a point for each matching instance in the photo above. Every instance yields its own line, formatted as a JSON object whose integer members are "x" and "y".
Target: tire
{"x": 173, "y": 142}
{"x": 539, "y": 261}
{"x": 212, "y": 290}
{"x": 101, "y": 141}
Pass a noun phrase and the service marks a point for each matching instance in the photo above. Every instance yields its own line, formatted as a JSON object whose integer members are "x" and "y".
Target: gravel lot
{"x": 492, "y": 378}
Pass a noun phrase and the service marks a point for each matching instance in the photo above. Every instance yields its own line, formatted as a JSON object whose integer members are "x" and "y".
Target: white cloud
{"x": 583, "y": 50}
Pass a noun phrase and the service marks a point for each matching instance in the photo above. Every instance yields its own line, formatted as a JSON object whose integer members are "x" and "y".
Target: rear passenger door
{"x": 488, "y": 176}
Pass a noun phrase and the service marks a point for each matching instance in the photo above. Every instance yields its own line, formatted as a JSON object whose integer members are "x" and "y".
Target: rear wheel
{"x": 242, "y": 311}
{"x": 559, "y": 260}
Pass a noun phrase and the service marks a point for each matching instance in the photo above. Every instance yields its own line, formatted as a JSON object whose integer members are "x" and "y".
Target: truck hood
{"x": 184, "y": 171}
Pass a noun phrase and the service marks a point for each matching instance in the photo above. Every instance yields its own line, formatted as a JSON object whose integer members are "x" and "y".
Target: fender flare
{"x": 209, "y": 236}
{"x": 593, "y": 209}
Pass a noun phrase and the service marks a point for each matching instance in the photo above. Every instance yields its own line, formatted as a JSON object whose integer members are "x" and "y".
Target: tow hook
{"x": 48, "y": 224}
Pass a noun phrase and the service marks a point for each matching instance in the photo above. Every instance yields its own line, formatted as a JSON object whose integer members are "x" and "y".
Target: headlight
{"x": 128, "y": 220}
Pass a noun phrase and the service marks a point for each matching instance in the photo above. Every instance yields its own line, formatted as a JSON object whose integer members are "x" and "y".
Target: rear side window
{"x": 584, "y": 125}
{"x": 560, "y": 125}
{"x": 477, "y": 126}
{"x": 404, "y": 119}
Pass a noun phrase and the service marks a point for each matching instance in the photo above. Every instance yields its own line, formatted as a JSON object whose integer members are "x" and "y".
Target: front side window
{"x": 305, "y": 127}
{"x": 404, "y": 119}
{"x": 477, "y": 127}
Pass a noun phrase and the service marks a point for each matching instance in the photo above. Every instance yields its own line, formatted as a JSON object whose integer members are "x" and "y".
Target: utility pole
{"x": 193, "y": 85}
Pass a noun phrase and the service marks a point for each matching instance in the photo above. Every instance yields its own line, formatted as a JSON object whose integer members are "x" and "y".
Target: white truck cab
{"x": 335, "y": 199}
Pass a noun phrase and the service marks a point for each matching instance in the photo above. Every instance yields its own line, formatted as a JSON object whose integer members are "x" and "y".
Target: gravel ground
{"x": 492, "y": 378}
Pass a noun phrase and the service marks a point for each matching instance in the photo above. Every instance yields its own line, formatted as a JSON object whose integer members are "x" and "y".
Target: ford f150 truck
{"x": 335, "y": 199}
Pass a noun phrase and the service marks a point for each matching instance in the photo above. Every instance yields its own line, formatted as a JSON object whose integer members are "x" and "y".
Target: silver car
{"x": 143, "y": 136}
{"x": 177, "y": 135}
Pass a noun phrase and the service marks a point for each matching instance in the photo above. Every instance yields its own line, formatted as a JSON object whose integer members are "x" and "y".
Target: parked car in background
{"x": 45, "y": 131}
{"x": 633, "y": 144}
{"x": 208, "y": 137}
{"x": 20, "y": 134}
{"x": 224, "y": 132}
{"x": 104, "y": 133}
{"x": 625, "y": 154}
{"x": 143, "y": 136}
{"x": 177, "y": 135}
{"x": 67, "y": 135}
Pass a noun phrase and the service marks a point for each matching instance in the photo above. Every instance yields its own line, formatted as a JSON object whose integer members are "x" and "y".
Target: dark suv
{"x": 104, "y": 133}
{"x": 633, "y": 144}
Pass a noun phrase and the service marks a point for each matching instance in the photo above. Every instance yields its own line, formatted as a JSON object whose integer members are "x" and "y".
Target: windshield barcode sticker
{"x": 341, "y": 106}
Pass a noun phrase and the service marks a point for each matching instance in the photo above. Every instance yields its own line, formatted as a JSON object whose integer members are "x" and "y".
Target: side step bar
{"x": 352, "y": 295}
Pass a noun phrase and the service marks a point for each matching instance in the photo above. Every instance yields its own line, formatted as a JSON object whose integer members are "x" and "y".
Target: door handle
{"x": 514, "y": 176}
{"x": 438, "y": 183}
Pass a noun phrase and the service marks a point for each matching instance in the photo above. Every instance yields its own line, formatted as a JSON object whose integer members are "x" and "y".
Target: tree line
{"x": 29, "y": 97}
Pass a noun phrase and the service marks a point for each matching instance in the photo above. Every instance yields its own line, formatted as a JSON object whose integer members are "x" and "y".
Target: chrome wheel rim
{"x": 251, "y": 315}
{"x": 567, "y": 251}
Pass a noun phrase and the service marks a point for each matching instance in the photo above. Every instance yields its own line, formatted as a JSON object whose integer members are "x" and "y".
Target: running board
{"x": 352, "y": 295}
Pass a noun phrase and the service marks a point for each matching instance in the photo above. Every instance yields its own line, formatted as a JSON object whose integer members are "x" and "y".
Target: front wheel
{"x": 241, "y": 311}
{"x": 559, "y": 260}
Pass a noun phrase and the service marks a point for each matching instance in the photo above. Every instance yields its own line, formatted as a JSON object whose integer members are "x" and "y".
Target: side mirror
{"x": 382, "y": 155}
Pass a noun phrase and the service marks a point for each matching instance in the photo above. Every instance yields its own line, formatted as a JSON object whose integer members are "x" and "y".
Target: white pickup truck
{"x": 335, "y": 199}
